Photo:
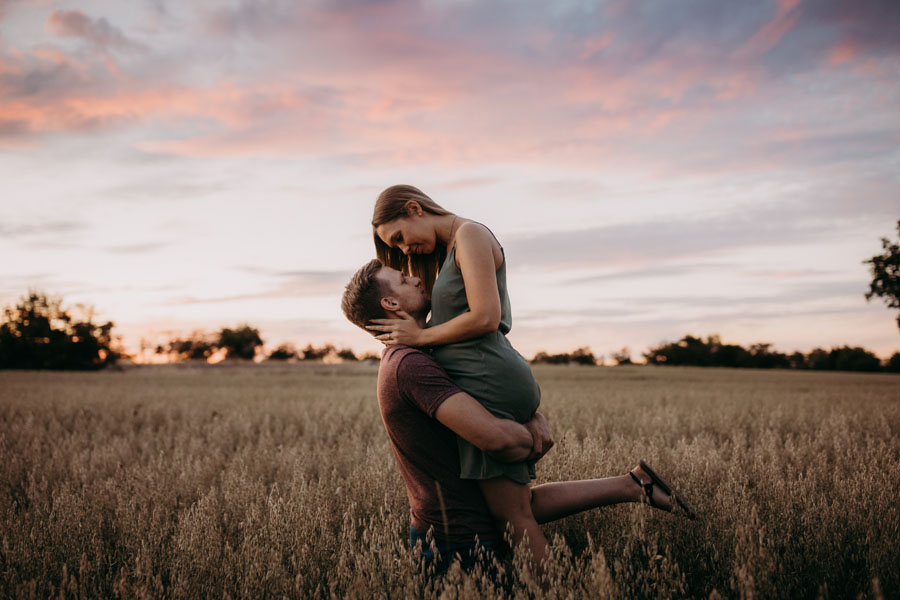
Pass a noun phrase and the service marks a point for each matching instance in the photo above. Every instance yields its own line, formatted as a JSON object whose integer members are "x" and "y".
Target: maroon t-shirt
{"x": 411, "y": 387}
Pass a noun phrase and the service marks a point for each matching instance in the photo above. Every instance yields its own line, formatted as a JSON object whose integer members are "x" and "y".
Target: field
{"x": 278, "y": 481}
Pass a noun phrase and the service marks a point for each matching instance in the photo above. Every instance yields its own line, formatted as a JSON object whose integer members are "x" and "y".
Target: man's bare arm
{"x": 505, "y": 440}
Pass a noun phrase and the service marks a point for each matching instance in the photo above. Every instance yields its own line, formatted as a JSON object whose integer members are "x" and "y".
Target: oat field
{"x": 278, "y": 481}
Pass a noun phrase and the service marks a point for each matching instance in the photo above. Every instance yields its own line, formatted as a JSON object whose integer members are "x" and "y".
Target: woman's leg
{"x": 552, "y": 501}
{"x": 511, "y": 502}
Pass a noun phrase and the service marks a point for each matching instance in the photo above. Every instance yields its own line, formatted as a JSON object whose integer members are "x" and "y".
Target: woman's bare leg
{"x": 511, "y": 502}
{"x": 552, "y": 501}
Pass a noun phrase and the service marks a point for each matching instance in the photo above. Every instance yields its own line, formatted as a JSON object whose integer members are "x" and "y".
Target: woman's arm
{"x": 475, "y": 255}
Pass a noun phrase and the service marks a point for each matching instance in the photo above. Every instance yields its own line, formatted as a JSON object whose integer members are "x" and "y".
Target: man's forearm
{"x": 503, "y": 439}
{"x": 513, "y": 442}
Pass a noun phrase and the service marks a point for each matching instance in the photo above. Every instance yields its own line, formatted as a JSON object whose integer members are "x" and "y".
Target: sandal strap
{"x": 647, "y": 487}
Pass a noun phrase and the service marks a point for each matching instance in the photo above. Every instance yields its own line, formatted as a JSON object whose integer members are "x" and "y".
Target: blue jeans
{"x": 465, "y": 552}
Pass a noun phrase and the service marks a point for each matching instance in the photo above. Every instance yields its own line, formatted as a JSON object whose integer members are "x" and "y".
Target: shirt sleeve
{"x": 424, "y": 383}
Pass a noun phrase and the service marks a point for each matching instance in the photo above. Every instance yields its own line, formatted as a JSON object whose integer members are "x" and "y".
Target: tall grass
{"x": 279, "y": 482}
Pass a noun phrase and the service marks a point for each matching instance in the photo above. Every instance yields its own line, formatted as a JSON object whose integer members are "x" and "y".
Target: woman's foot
{"x": 658, "y": 493}
{"x": 656, "y": 498}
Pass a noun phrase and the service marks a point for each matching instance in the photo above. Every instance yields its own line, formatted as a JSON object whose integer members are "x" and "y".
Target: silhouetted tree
{"x": 283, "y": 352}
{"x": 797, "y": 360}
{"x": 853, "y": 359}
{"x": 241, "y": 342}
{"x": 893, "y": 363}
{"x": 763, "y": 358}
{"x": 885, "y": 269}
{"x": 552, "y": 359}
{"x": 38, "y": 333}
{"x": 313, "y": 353}
{"x": 728, "y": 355}
{"x": 583, "y": 356}
{"x": 346, "y": 354}
{"x": 687, "y": 351}
{"x": 580, "y": 356}
{"x": 712, "y": 353}
{"x": 198, "y": 346}
{"x": 622, "y": 357}
{"x": 819, "y": 360}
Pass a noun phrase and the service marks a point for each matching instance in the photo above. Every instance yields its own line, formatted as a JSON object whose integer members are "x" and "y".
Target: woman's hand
{"x": 542, "y": 439}
{"x": 404, "y": 330}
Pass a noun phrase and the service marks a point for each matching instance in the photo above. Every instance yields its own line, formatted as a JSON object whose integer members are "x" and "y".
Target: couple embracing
{"x": 458, "y": 402}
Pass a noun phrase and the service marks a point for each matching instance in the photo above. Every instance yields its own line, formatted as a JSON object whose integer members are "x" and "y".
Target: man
{"x": 423, "y": 412}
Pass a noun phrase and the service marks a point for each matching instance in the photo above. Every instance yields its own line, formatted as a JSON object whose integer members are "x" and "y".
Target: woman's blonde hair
{"x": 392, "y": 204}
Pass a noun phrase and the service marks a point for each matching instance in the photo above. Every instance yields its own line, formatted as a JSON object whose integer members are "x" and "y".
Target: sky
{"x": 652, "y": 168}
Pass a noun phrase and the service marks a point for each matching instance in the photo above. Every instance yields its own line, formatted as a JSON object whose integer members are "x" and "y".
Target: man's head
{"x": 378, "y": 292}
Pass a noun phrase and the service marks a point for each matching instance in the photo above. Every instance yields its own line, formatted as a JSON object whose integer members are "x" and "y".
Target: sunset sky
{"x": 652, "y": 168}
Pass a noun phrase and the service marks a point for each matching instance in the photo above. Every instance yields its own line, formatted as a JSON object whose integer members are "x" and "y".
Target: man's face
{"x": 408, "y": 292}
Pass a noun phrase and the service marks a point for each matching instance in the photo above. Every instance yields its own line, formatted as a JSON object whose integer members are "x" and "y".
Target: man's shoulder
{"x": 395, "y": 356}
{"x": 413, "y": 375}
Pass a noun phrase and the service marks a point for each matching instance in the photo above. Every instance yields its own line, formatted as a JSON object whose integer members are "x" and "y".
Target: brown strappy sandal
{"x": 674, "y": 497}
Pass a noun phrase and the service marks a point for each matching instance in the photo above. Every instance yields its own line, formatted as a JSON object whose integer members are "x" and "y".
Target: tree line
{"x": 712, "y": 352}
{"x": 244, "y": 342}
{"x": 39, "y": 333}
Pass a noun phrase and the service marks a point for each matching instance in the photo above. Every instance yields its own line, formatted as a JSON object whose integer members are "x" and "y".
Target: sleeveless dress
{"x": 487, "y": 367}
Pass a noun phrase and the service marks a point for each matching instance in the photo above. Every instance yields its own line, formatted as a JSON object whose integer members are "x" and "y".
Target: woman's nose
{"x": 404, "y": 249}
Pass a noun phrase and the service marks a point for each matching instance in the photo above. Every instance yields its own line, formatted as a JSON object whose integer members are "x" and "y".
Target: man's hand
{"x": 502, "y": 439}
{"x": 541, "y": 438}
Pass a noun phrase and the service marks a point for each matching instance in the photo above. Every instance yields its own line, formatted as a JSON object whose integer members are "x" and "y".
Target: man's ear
{"x": 413, "y": 208}
{"x": 390, "y": 304}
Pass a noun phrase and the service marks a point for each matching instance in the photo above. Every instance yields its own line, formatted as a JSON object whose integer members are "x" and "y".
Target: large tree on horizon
{"x": 885, "y": 269}
{"x": 39, "y": 333}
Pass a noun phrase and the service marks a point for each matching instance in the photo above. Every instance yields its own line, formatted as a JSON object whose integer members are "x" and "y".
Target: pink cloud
{"x": 408, "y": 89}
{"x": 767, "y": 37}
{"x": 594, "y": 44}
{"x": 843, "y": 52}
{"x": 74, "y": 23}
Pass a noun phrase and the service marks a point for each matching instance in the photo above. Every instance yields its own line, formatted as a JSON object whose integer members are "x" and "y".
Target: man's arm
{"x": 503, "y": 439}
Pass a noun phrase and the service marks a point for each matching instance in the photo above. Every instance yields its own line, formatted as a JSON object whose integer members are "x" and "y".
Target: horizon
{"x": 721, "y": 169}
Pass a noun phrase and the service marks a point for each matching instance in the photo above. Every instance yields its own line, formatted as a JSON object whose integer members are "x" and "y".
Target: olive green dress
{"x": 487, "y": 367}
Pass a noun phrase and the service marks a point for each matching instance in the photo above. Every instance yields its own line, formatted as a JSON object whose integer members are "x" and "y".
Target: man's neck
{"x": 420, "y": 319}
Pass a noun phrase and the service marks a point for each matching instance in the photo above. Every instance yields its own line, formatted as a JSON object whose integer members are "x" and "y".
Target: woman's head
{"x": 404, "y": 240}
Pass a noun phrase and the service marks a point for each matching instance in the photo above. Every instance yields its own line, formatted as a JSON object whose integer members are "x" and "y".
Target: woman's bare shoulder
{"x": 474, "y": 232}
{"x": 475, "y": 238}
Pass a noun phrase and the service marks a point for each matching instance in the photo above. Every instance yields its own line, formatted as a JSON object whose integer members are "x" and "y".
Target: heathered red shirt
{"x": 411, "y": 387}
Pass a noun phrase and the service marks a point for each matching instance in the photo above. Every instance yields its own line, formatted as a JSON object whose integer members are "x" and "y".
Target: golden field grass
{"x": 278, "y": 481}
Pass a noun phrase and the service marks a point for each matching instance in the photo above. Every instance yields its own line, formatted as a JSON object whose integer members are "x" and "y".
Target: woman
{"x": 463, "y": 268}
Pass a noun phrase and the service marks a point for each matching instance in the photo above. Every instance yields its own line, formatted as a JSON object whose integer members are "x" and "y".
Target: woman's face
{"x": 412, "y": 235}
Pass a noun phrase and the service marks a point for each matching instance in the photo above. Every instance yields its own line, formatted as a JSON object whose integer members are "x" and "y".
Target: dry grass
{"x": 279, "y": 481}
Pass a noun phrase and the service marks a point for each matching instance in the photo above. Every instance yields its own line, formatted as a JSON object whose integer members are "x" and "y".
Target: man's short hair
{"x": 362, "y": 297}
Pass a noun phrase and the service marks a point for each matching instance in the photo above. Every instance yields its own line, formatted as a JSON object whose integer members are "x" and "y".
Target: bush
{"x": 197, "y": 347}
{"x": 622, "y": 357}
{"x": 283, "y": 352}
{"x": 241, "y": 342}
